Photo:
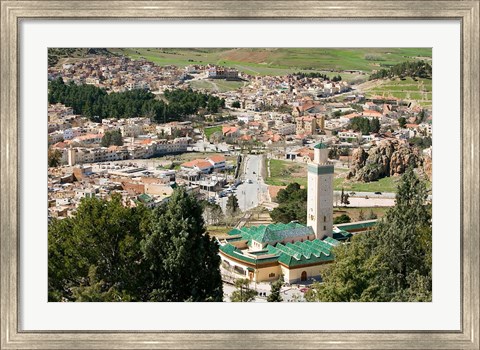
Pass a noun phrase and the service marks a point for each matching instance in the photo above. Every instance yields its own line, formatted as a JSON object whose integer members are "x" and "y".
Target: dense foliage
{"x": 420, "y": 142}
{"x": 302, "y": 75}
{"x": 364, "y": 125}
{"x": 95, "y": 103}
{"x": 54, "y": 157}
{"x": 342, "y": 219}
{"x": 109, "y": 252}
{"x": 393, "y": 262}
{"x": 416, "y": 69}
{"x": 113, "y": 137}
{"x": 292, "y": 205}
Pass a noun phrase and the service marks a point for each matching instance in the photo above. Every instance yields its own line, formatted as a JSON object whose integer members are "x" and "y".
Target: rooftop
{"x": 320, "y": 145}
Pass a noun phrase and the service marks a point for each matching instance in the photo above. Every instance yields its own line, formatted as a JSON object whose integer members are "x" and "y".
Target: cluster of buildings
{"x": 80, "y": 141}
{"x": 295, "y": 251}
{"x": 117, "y": 73}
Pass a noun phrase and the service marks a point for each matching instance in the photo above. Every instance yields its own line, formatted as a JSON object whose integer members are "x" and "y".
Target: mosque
{"x": 298, "y": 252}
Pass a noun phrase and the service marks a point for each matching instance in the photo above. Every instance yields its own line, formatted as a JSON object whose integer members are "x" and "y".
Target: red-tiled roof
{"x": 217, "y": 158}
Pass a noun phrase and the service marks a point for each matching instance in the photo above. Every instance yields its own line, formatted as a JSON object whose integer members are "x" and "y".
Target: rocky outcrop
{"x": 387, "y": 158}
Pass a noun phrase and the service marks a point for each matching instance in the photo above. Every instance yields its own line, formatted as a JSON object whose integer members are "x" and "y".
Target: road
{"x": 250, "y": 195}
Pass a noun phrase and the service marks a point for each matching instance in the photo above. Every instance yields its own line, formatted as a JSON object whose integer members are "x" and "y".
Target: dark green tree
{"x": 232, "y": 205}
{"x": 183, "y": 259}
{"x": 391, "y": 263}
{"x": 275, "y": 295}
{"x": 236, "y": 104}
{"x": 342, "y": 219}
{"x": 54, "y": 157}
{"x": 402, "y": 122}
{"x": 100, "y": 244}
{"x": 292, "y": 204}
{"x": 374, "y": 125}
{"x": 113, "y": 137}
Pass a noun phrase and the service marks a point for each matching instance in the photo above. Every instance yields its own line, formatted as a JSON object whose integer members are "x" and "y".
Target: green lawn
{"x": 282, "y": 173}
{"x": 211, "y": 130}
{"x": 387, "y": 184}
{"x": 216, "y": 85}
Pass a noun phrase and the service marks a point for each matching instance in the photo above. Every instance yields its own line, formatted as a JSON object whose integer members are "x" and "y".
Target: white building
{"x": 245, "y": 118}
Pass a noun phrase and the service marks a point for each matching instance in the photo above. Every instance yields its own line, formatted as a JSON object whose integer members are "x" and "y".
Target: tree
{"x": 371, "y": 215}
{"x": 232, "y": 205}
{"x": 243, "y": 292}
{"x": 236, "y": 104}
{"x": 393, "y": 262}
{"x": 275, "y": 295}
{"x": 100, "y": 244}
{"x": 292, "y": 204}
{"x": 182, "y": 257}
{"x": 113, "y": 137}
{"x": 342, "y": 219}
{"x": 345, "y": 198}
{"x": 374, "y": 125}
{"x": 108, "y": 252}
{"x": 54, "y": 157}
{"x": 402, "y": 122}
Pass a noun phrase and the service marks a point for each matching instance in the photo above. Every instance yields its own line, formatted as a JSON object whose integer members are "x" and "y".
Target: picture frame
{"x": 13, "y": 11}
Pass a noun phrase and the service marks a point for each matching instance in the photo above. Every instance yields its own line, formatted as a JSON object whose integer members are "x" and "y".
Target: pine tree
{"x": 183, "y": 258}
{"x": 275, "y": 295}
{"x": 391, "y": 263}
{"x": 232, "y": 205}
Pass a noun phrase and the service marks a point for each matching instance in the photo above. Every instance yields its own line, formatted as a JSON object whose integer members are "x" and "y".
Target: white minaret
{"x": 320, "y": 193}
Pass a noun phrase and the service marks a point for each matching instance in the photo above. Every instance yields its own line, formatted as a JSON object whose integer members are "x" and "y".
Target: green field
{"x": 281, "y": 61}
{"x": 354, "y": 212}
{"x": 211, "y": 130}
{"x": 283, "y": 173}
{"x": 216, "y": 85}
{"x": 387, "y": 184}
{"x": 419, "y": 90}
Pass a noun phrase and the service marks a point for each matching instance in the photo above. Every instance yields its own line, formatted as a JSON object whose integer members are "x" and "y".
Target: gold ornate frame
{"x": 466, "y": 11}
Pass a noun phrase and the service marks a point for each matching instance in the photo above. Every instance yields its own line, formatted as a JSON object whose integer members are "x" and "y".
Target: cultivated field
{"x": 419, "y": 91}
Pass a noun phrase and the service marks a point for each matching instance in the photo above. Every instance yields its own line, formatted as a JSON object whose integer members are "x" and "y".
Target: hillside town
{"x": 230, "y": 152}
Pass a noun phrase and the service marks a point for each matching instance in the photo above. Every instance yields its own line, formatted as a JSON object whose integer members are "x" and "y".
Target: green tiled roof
{"x": 290, "y": 254}
{"x": 331, "y": 241}
{"x": 356, "y": 225}
{"x": 320, "y": 145}
{"x": 341, "y": 235}
{"x": 145, "y": 198}
{"x": 274, "y": 232}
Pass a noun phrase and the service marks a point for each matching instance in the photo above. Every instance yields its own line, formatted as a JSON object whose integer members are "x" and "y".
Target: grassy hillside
{"x": 419, "y": 90}
{"x": 279, "y": 61}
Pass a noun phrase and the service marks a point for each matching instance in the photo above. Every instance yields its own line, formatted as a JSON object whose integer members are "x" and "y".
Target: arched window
{"x": 304, "y": 276}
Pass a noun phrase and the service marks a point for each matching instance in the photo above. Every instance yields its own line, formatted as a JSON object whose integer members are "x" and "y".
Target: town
{"x": 255, "y": 136}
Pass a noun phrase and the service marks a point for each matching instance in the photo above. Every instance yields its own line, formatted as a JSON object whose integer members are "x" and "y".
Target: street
{"x": 253, "y": 190}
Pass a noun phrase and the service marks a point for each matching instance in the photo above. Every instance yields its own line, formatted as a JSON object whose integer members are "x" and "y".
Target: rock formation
{"x": 387, "y": 158}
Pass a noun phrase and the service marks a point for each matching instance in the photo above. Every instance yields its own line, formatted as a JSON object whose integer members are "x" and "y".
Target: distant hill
{"x": 280, "y": 61}
{"x": 55, "y": 54}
